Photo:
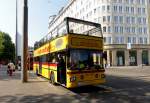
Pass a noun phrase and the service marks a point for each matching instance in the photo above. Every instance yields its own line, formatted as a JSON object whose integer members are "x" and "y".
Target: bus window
{"x": 98, "y": 59}
{"x": 83, "y": 59}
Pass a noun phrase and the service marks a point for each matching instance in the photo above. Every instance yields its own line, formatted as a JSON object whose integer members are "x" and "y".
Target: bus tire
{"x": 52, "y": 79}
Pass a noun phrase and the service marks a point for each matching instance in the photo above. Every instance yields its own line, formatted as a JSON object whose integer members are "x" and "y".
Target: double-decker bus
{"x": 69, "y": 56}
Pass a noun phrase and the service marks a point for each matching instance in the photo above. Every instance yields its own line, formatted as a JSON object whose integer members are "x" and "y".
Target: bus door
{"x": 61, "y": 73}
{"x": 40, "y": 65}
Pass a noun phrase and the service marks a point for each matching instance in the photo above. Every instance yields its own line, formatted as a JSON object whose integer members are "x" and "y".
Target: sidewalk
{"x": 12, "y": 90}
{"x": 129, "y": 67}
{"x": 142, "y": 72}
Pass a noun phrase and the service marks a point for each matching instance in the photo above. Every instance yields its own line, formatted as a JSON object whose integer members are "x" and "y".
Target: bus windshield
{"x": 85, "y": 59}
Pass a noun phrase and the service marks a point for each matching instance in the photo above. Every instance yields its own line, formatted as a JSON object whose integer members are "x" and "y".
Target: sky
{"x": 39, "y": 12}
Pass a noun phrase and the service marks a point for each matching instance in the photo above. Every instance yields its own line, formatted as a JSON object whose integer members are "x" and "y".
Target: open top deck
{"x": 71, "y": 26}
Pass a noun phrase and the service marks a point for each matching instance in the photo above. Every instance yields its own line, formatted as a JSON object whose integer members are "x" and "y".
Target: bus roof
{"x": 68, "y": 30}
{"x": 70, "y": 19}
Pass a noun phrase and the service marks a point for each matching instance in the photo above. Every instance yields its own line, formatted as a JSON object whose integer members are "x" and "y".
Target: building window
{"x": 120, "y": 1}
{"x": 145, "y": 30}
{"x": 104, "y": 18}
{"x": 133, "y": 20}
{"x": 140, "y": 30}
{"x": 133, "y": 58}
{"x": 129, "y": 39}
{"x": 94, "y": 11}
{"x": 128, "y": 30}
{"x": 139, "y": 20}
{"x": 132, "y": 10}
{"x": 109, "y": 29}
{"x": 143, "y": 2}
{"x": 116, "y": 19}
{"x": 131, "y": 1}
{"x": 121, "y": 29}
{"x": 120, "y": 58}
{"x": 117, "y": 40}
{"x": 138, "y": 1}
{"x": 143, "y": 10}
{"x": 139, "y": 10}
{"x": 144, "y": 20}
{"x": 115, "y": 8}
{"x": 145, "y": 40}
{"x": 104, "y": 29}
{"x": 108, "y": 8}
{"x": 120, "y": 40}
{"x": 140, "y": 40}
{"x": 108, "y": 18}
{"x": 108, "y": 40}
{"x": 134, "y": 40}
{"x": 120, "y": 9}
{"x": 103, "y": 8}
{"x": 116, "y": 29}
{"x": 127, "y": 1}
{"x": 133, "y": 29}
{"x": 145, "y": 57}
{"x": 127, "y": 9}
{"x": 121, "y": 19}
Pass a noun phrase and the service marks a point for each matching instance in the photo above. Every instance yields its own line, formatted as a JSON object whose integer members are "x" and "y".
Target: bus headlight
{"x": 73, "y": 78}
{"x": 102, "y": 75}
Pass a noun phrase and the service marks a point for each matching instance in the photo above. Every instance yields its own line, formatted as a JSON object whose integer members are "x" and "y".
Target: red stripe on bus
{"x": 52, "y": 64}
{"x": 78, "y": 72}
{"x": 49, "y": 64}
{"x": 46, "y": 63}
{"x": 35, "y": 62}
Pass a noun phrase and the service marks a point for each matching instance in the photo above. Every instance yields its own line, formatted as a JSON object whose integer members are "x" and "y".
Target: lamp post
{"x": 16, "y": 57}
{"x": 25, "y": 42}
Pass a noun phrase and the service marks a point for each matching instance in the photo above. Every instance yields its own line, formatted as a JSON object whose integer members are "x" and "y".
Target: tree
{"x": 7, "y": 47}
{"x": 1, "y": 44}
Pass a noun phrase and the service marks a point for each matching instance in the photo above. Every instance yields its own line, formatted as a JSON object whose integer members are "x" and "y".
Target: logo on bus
{"x": 59, "y": 43}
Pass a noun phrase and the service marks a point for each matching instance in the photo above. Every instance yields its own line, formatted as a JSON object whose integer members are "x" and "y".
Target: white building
{"x": 123, "y": 22}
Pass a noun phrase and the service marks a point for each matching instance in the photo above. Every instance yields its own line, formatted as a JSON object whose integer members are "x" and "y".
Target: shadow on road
{"x": 88, "y": 89}
{"x": 47, "y": 98}
{"x": 124, "y": 90}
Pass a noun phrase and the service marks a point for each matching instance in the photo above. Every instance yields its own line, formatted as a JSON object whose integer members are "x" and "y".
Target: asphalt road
{"x": 124, "y": 85}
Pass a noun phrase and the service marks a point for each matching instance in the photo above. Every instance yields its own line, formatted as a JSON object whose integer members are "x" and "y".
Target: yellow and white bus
{"x": 71, "y": 58}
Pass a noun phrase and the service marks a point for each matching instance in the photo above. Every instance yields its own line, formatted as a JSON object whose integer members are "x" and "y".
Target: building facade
{"x": 125, "y": 25}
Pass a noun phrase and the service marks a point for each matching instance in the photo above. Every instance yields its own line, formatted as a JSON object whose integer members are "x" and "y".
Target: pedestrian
{"x": 11, "y": 68}
{"x": 62, "y": 69}
{"x": 0, "y": 65}
{"x": 8, "y": 69}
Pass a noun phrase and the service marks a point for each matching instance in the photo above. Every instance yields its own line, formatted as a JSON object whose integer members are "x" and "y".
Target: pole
{"x": 16, "y": 57}
{"x": 25, "y": 42}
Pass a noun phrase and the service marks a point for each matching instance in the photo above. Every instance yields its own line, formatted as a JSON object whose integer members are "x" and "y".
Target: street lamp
{"x": 25, "y": 42}
{"x": 16, "y": 57}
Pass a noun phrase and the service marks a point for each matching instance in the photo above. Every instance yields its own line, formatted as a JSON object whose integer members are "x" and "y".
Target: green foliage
{"x": 7, "y": 48}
